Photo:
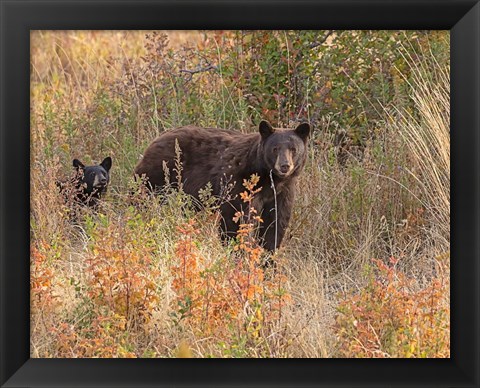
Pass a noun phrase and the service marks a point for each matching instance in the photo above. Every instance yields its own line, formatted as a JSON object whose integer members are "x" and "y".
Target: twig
{"x": 320, "y": 42}
{"x": 199, "y": 69}
{"x": 275, "y": 199}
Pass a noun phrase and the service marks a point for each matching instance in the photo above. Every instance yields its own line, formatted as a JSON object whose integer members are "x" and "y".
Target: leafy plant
{"x": 394, "y": 316}
{"x": 228, "y": 298}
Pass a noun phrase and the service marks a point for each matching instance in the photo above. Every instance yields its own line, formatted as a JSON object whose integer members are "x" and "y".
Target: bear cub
{"x": 88, "y": 184}
{"x": 225, "y": 158}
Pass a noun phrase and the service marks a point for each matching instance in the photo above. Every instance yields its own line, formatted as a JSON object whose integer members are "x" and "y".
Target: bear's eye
{"x": 293, "y": 150}
{"x": 275, "y": 150}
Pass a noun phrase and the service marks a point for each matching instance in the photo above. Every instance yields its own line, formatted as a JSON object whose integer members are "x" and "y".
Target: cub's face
{"x": 94, "y": 178}
{"x": 285, "y": 151}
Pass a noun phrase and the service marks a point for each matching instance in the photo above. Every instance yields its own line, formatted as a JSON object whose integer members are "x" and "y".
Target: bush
{"x": 394, "y": 316}
{"x": 229, "y": 298}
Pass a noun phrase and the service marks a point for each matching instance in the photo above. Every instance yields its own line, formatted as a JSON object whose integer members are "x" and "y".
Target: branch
{"x": 320, "y": 42}
{"x": 190, "y": 73}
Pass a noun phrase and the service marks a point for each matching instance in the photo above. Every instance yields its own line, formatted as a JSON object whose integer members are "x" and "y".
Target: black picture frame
{"x": 18, "y": 17}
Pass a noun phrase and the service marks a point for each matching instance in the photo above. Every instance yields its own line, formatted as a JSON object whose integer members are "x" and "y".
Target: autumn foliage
{"x": 122, "y": 277}
{"x": 228, "y": 296}
{"x": 394, "y": 316}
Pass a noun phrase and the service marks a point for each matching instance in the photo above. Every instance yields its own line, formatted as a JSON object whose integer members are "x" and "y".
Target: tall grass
{"x": 427, "y": 136}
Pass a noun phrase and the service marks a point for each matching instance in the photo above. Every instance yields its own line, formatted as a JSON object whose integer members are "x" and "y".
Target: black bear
{"x": 224, "y": 157}
{"x": 88, "y": 184}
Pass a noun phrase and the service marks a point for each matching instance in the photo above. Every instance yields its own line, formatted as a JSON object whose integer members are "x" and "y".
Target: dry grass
{"x": 428, "y": 139}
{"x": 110, "y": 285}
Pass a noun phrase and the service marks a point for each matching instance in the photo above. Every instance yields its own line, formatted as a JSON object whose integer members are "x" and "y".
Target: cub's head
{"x": 94, "y": 178}
{"x": 284, "y": 150}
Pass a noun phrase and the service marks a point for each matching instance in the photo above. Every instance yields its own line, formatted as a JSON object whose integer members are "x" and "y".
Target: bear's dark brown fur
{"x": 225, "y": 157}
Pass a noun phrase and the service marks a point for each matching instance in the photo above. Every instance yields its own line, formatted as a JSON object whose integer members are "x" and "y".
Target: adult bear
{"x": 223, "y": 158}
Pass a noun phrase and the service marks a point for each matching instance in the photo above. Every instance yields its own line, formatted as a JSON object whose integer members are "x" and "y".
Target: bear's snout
{"x": 100, "y": 182}
{"x": 284, "y": 164}
{"x": 285, "y": 168}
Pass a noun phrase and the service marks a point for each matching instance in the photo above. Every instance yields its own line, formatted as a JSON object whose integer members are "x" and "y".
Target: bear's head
{"x": 94, "y": 178}
{"x": 284, "y": 150}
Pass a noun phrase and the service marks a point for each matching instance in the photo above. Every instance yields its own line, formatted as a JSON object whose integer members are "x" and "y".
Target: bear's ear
{"x": 107, "y": 163}
{"x": 78, "y": 164}
{"x": 266, "y": 129}
{"x": 303, "y": 131}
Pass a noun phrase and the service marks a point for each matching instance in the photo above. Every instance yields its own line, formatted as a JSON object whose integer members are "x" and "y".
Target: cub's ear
{"x": 266, "y": 129}
{"x": 107, "y": 163}
{"x": 303, "y": 131}
{"x": 78, "y": 164}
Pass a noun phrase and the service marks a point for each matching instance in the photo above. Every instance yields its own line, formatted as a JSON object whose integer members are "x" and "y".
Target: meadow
{"x": 364, "y": 269}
